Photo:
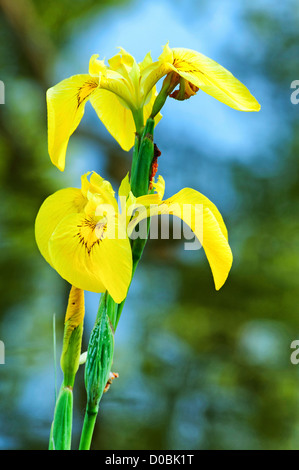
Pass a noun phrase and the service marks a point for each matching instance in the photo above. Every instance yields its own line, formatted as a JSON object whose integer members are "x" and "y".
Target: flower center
{"x": 91, "y": 233}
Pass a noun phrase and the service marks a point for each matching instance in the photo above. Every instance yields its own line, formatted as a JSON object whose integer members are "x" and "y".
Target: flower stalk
{"x": 169, "y": 84}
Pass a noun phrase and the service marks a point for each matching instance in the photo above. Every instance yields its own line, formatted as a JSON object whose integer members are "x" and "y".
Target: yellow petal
{"x": 65, "y": 103}
{"x": 99, "y": 187}
{"x": 155, "y": 198}
{"x": 213, "y": 79}
{"x": 117, "y": 119}
{"x": 147, "y": 200}
{"x": 121, "y": 85}
{"x": 52, "y": 211}
{"x": 125, "y": 187}
{"x": 86, "y": 258}
{"x": 212, "y": 233}
{"x": 204, "y": 219}
{"x": 120, "y": 60}
{"x": 191, "y": 196}
{"x": 146, "y": 62}
{"x": 125, "y": 64}
{"x": 96, "y": 66}
{"x": 152, "y": 74}
{"x": 159, "y": 186}
{"x": 167, "y": 54}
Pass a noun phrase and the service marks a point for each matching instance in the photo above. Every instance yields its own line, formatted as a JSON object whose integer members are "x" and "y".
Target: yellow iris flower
{"x": 85, "y": 238}
{"x": 123, "y": 94}
{"x": 116, "y": 92}
{"x": 79, "y": 234}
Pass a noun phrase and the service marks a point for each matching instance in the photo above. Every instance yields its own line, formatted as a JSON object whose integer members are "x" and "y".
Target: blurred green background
{"x": 199, "y": 369}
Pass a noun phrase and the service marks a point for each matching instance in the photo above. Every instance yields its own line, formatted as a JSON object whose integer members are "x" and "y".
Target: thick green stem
{"x": 140, "y": 172}
{"x": 143, "y": 155}
{"x": 88, "y": 428}
{"x": 138, "y": 120}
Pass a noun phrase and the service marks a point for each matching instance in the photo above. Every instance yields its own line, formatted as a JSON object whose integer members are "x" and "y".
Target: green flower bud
{"x": 99, "y": 357}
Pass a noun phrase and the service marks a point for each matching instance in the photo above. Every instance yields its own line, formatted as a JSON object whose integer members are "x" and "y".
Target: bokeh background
{"x": 199, "y": 369}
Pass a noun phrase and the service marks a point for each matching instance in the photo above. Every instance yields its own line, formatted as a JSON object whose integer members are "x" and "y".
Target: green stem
{"x": 88, "y": 428}
{"x": 135, "y": 154}
{"x": 170, "y": 82}
{"x": 140, "y": 172}
{"x": 138, "y": 119}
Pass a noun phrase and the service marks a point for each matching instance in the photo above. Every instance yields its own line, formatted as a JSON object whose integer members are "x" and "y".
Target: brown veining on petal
{"x": 186, "y": 66}
{"x": 85, "y": 91}
{"x": 90, "y": 233}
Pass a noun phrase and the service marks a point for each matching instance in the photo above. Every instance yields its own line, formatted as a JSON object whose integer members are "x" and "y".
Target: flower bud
{"x": 99, "y": 357}
{"x": 72, "y": 339}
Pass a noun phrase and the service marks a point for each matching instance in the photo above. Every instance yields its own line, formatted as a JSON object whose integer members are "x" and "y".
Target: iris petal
{"x": 204, "y": 219}
{"x": 88, "y": 259}
{"x": 213, "y": 79}
{"x": 52, "y": 211}
{"x": 66, "y": 103}
{"x": 116, "y": 118}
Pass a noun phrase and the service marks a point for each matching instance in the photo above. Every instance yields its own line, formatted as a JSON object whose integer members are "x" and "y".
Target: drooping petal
{"x": 193, "y": 197}
{"x": 116, "y": 118}
{"x": 212, "y": 233}
{"x": 52, "y": 212}
{"x": 213, "y": 79}
{"x": 204, "y": 219}
{"x": 84, "y": 256}
{"x": 65, "y": 103}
